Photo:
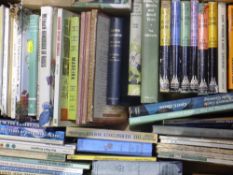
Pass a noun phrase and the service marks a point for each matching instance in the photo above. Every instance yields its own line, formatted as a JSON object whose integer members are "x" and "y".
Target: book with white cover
{"x": 222, "y": 47}
{"x": 5, "y": 61}
{"x": 44, "y": 107}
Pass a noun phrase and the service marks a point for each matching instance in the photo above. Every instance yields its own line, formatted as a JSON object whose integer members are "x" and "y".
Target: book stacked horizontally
{"x": 28, "y": 148}
{"x": 195, "y": 144}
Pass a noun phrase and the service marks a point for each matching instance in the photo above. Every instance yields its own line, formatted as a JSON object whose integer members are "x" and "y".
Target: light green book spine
{"x": 150, "y": 51}
{"x": 73, "y": 68}
{"x": 32, "y": 49}
{"x": 134, "y": 81}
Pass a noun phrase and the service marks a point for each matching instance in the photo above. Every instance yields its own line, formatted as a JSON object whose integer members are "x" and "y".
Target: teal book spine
{"x": 150, "y": 51}
{"x": 32, "y": 49}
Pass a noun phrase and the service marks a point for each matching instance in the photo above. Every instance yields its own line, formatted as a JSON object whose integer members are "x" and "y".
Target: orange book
{"x": 230, "y": 45}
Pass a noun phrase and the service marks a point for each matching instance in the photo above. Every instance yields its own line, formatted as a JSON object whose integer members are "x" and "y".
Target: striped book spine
{"x": 165, "y": 39}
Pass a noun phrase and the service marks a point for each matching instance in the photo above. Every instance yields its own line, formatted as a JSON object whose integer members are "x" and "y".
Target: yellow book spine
{"x": 213, "y": 25}
{"x": 109, "y": 157}
{"x": 230, "y": 45}
{"x": 73, "y": 68}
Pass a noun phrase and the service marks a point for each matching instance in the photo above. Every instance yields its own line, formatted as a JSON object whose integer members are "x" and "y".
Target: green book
{"x": 73, "y": 69}
{"x": 150, "y": 51}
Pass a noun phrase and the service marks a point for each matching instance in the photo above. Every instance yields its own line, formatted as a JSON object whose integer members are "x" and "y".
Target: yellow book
{"x": 109, "y": 157}
{"x": 230, "y": 47}
{"x": 73, "y": 68}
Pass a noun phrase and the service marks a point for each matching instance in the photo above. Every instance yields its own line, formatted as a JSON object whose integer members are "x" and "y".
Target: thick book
{"x": 213, "y": 47}
{"x": 107, "y": 134}
{"x": 115, "y": 60}
{"x": 165, "y": 37}
{"x": 230, "y": 47}
{"x": 222, "y": 47}
{"x": 137, "y": 168}
{"x": 134, "y": 79}
{"x": 175, "y": 46}
{"x": 193, "y": 45}
{"x": 114, "y": 147}
{"x": 193, "y": 132}
{"x": 32, "y": 48}
{"x": 73, "y": 68}
{"x": 150, "y": 51}
{"x": 185, "y": 46}
{"x": 181, "y": 104}
{"x": 203, "y": 48}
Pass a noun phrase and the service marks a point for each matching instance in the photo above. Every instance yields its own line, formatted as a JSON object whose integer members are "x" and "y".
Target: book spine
{"x": 8, "y": 172}
{"x": 185, "y": 46}
{"x": 134, "y": 79}
{"x": 73, "y": 68}
{"x": 32, "y": 169}
{"x": 46, "y": 163}
{"x": 33, "y": 133}
{"x": 222, "y": 47}
{"x": 213, "y": 46}
{"x": 111, "y": 135}
{"x": 115, "y": 61}
{"x": 91, "y": 73}
{"x": 150, "y": 51}
{"x": 32, "y": 48}
{"x": 193, "y": 45}
{"x": 2, "y": 21}
{"x": 17, "y": 123}
{"x": 203, "y": 48}
{"x": 58, "y": 68}
{"x": 230, "y": 47}
{"x": 118, "y": 147}
{"x": 5, "y": 61}
{"x": 15, "y": 60}
{"x": 36, "y": 147}
{"x": 175, "y": 46}
{"x": 44, "y": 67}
{"x": 140, "y": 120}
{"x": 65, "y": 70}
{"x": 181, "y": 104}
{"x": 165, "y": 39}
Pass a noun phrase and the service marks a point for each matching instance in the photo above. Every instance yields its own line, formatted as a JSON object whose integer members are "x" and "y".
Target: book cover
{"x": 115, "y": 60}
{"x": 114, "y": 147}
{"x": 165, "y": 38}
{"x": 73, "y": 68}
{"x": 134, "y": 79}
{"x": 193, "y": 45}
{"x": 150, "y": 51}
{"x": 203, "y": 48}
{"x": 185, "y": 46}
{"x": 181, "y": 104}
{"x": 32, "y": 49}
{"x": 222, "y": 47}
{"x": 137, "y": 168}
{"x": 213, "y": 46}
{"x": 175, "y": 45}
{"x": 107, "y": 134}
{"x": 230, "y": 47}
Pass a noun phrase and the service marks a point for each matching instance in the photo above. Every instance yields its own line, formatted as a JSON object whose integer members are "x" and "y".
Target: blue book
{"x": 181, "y": 104}
{"x": 41, "y": 135}
{"x": 35, "y": 171}
{"x": 20, "y": 124}
{"x": 114, "y": 147}
{"x": 114, "y": 61}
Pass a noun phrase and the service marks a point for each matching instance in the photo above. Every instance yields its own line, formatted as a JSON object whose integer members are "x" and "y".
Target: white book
{"x": 44, "y": 67}
{"x": 60, "y": 46}
{"x": 2, "y": 12}
{"x": 222, "y": 47}
{"x": 5, "y": 61}
{"x": 15, "y": 67}
{"x": 37, "y": 147}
